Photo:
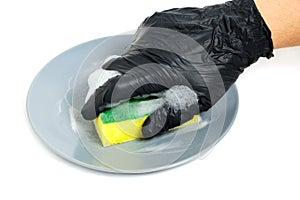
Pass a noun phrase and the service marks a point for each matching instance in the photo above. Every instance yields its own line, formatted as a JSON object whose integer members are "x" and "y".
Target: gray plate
{"x": 54, "y": 101}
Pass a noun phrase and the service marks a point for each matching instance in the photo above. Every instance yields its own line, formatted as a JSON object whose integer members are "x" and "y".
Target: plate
{"x": 57, "y": 94}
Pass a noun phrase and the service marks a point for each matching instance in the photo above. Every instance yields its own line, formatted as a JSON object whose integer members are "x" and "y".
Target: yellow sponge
{"x": 124, "y": 131}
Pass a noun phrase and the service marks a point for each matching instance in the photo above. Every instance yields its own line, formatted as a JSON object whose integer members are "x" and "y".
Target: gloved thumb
{"x": 181, "y": 105}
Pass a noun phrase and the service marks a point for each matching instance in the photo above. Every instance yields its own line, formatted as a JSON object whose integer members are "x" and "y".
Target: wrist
{"x": 283, "y": 19}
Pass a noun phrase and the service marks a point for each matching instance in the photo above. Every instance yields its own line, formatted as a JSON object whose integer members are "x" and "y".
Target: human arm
{"x": 283, "y": 19}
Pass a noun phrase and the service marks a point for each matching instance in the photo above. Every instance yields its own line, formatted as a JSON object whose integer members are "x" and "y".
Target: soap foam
{"x": 147, "y": 107}
{"x": 180, "y": 97}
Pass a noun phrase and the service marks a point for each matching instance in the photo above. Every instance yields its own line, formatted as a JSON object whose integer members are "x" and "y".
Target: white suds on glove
{"x": 180, "y": 97}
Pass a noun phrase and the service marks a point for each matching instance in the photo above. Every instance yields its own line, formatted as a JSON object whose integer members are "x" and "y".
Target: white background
{"x": 259, "y": 157}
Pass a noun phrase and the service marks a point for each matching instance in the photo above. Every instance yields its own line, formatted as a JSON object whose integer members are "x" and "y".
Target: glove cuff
{"x": 260, "y": 42}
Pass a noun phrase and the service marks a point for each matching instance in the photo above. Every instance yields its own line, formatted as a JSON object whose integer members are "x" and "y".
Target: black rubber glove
{"x": 205, "y": 49}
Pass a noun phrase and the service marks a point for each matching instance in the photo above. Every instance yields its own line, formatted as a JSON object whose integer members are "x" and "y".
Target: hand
{"x": 203, "y": 49}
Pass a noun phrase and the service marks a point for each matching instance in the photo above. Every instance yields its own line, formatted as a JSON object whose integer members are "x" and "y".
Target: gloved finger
{"x": 140, "y": 80}
{"x": 119, "y": 64}
{"x": 129, "y": 60}
{"x": 181, "y": 104}
{"x": 136, "y": 57}
{"x": 166, "y": 118}
{"x": 96, "y": 102}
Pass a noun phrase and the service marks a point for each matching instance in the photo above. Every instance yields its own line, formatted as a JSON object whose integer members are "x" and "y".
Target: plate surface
{"x": 57, "y": 94}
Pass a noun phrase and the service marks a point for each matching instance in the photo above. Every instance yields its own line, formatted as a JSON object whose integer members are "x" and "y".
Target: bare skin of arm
{"x": 283, "y": 19}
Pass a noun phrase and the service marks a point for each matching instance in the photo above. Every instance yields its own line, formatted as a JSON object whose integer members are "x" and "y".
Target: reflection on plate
{"x": 57, "y": 94}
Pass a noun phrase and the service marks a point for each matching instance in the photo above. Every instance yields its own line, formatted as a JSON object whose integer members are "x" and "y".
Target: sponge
{"x": 124, "y": 122}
